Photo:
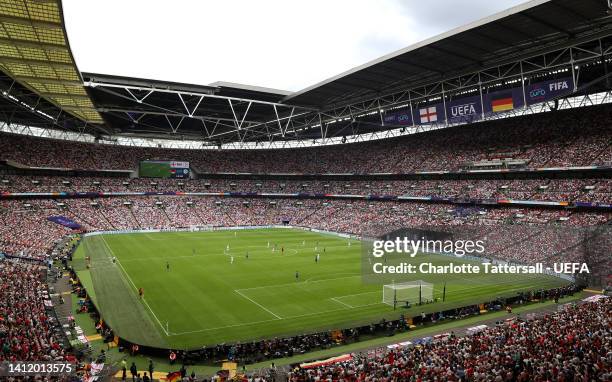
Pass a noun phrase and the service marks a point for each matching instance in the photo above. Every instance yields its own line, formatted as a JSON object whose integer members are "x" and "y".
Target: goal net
{"x": 414, "y": 292}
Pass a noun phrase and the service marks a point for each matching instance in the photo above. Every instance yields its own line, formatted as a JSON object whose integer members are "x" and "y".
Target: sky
{"x": 281, "y": 44}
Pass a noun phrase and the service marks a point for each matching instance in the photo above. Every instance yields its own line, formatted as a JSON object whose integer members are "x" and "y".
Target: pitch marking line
{"x": 258, "y": 304}
{"x": 298, "y": 283}
{"x": 342, "y": 303}
{"x": 339, "y": 298}
{"x": 235, "y": 252}
{"x": 134, "y": 285}
{"x": 225, "y": 327}
{"x": 148, "y": 236}
{"x": 276, "y": 319}
{"x": 316, "y": 279}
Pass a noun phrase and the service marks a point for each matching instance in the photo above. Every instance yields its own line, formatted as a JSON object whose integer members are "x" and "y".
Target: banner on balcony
{"x": 66, "y": 222}
{"x": 471, "y": 108}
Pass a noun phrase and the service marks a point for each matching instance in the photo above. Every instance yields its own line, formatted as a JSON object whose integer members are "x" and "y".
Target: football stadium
{"x": 441, "y": 212}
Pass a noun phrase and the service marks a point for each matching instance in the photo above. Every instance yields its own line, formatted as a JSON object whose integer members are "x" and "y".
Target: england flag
{"x": 428, "y": 114}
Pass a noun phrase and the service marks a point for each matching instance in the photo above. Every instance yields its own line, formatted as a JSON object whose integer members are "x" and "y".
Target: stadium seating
{"x": 570, "y": 345}
{"x": 578, "y": 137}
{"x": 26, "y": 328}
{"x": 26, "y": 231}
{"x": 584, "y": 190}
{"x": 517, "y": 233}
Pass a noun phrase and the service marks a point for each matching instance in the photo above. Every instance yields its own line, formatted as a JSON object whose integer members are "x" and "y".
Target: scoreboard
{"x": 163, "y": 169}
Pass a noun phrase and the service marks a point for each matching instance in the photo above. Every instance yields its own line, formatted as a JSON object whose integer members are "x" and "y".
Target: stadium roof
{"x": 255, "y": 89}
{"x": 24, "y": 106}
{"x": 143, "y": 106}
{"x": 34, "y": 51}
{"x": 510, "y": 35}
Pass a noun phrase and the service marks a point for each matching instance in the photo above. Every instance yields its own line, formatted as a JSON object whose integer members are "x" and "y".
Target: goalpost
{"x": 413, "y": 292}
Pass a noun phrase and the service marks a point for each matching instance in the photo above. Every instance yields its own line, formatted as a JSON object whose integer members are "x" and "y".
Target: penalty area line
{"x": 276, "y": 319}
{"x": 258, "y": 304}
{"x": 342, "y": 303}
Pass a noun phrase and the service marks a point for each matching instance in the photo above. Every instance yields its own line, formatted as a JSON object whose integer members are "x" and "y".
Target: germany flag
{"x": 502, "y": 103}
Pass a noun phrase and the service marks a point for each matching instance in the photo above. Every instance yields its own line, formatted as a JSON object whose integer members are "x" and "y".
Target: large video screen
{"x": 163, "y": 169}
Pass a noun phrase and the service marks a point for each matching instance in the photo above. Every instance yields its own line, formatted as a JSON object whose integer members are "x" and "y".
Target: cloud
{"x": 285, "y": 44}
{"x": 435, "y": 17}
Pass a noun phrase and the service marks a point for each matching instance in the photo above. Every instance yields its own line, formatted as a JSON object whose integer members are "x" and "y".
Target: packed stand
{"x": 570, "y": 345}
{"x": 26, "y": 231}
{"x": 570, "y": 190}
{"x": 578, "y": 137}
{"x": 27, "y": 329}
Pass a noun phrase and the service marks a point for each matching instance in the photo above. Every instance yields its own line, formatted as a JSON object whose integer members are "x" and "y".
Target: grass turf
{"x": 162, "y": 364}
{"x": 204, "y": 299}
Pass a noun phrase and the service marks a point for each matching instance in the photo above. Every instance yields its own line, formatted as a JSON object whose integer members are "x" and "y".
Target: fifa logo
{"x": 555, "y": 86}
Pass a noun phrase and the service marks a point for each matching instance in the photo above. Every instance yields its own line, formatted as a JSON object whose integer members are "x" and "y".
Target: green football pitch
{"x": 198, "y": 292}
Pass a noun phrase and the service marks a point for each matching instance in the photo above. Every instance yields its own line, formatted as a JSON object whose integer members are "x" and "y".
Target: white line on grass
{"x": 258, "y": 304}
{"x": 275, "y": 319}
{"x": 338, "y": 298}
{"x": 342, "y": 303}
{"x": 134, "y": 285}
{"x": 297, "y": 283}
{"x": 359, "y": 294}
{"x": 315, "y": 279}
{"x": 232, "y": 252}
{"x": 300, "y": 315}
{"x": 154, "y": 239}
{"x": 224, "y": 327}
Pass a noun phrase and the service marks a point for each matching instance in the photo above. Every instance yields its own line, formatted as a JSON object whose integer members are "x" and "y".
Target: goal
{"x": 413, "y": 292}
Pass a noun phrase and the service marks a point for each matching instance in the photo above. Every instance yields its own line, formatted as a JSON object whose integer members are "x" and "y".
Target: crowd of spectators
{"x": 271, "y": 349}
{"x": 27, "y": 328}
{"x": 572, "y": 344}
{"x": 516, "y": 234}
{"x": 578, "y": 137}
{"x": 25, "y": 230}
{"x": 584, "y": 190}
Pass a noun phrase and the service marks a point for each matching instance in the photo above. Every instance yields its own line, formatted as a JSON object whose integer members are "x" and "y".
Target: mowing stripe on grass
{"x": 299, "y": 283}
{"x": 117, "y": 303}
{"x": 134, "y": 285}
{"x": 191, "y": 285}
{"x": 278, "y": 319}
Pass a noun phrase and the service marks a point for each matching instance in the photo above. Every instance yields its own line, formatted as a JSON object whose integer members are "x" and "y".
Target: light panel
{"x": 34, "y": 51}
